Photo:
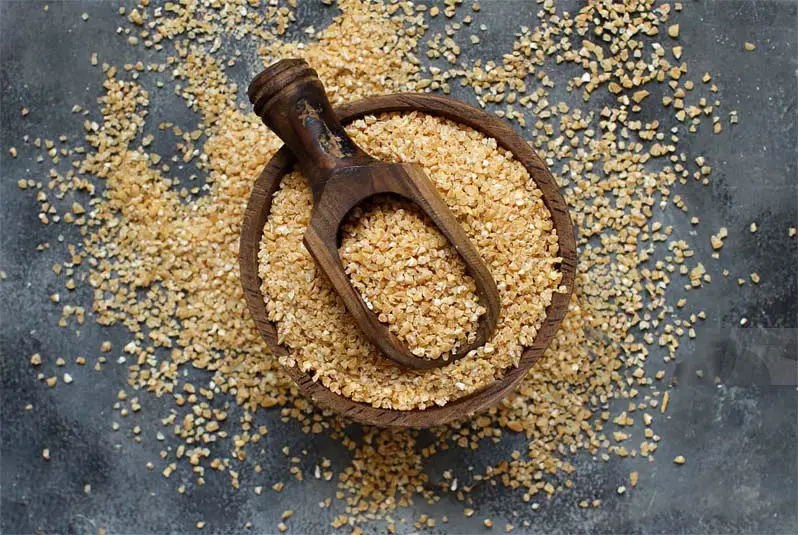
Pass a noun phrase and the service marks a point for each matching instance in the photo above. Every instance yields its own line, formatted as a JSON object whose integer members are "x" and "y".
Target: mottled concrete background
{"x": 739, "y": 439}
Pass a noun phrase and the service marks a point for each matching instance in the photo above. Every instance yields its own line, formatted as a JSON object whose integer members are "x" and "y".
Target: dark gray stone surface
{"x": 739, "y": 438}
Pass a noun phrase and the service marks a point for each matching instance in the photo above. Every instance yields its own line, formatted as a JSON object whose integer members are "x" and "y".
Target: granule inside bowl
{"x": 411, "y": 276}
{"x": 501, "y": 210}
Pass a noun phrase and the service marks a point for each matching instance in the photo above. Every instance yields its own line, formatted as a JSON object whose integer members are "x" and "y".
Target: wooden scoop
{"x": 290, "y": 99}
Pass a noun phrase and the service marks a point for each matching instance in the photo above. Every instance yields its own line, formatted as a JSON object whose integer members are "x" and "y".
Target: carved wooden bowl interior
{"x": 257, "y": 212}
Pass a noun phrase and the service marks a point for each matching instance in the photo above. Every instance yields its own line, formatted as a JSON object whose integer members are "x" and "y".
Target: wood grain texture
{"x": 258, "y": 209}
{"x": 291, "y": 101}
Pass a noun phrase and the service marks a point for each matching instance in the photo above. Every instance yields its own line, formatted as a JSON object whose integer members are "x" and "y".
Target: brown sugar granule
{"x": 501, "y": 210}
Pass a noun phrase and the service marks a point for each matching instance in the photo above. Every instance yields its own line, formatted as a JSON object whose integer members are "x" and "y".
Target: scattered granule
{"x": 639, "y": 96}
{"x": 200, "y": 524}
{"x": 716, "y": 240}
{"x": 488, "y": 523}
{"x": 791, "y": 232}
{"x": 106, "y": 346}
{"x": 679, "y": 459}
{"x": 411, "y": 276}
{"x": 755, "y": 277}
{"x": 673, "y": 30}
{"x": 46, "y": 454}
{"x": 750, "y": 47}
{"x": 13, "y": 152}
{"x": 503, "y": 214}
{"x": 135, "y": 17}
{"x": 170, "y": 468}
{"x": 753, "y": 228}
{"x": 35, "y": 359}
{"x": 633, "y": 478}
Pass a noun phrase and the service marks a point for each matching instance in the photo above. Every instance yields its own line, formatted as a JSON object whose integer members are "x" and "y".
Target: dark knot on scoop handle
{"x": 290, "y": 99}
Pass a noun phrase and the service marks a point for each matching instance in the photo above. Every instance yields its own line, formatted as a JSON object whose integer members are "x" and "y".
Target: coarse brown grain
{"x": 503, "y": 214}
{"x": 407, "y": 272}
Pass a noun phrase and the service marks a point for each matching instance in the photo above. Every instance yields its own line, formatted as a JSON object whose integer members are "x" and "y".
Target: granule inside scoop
{"x": 409, "y": 274}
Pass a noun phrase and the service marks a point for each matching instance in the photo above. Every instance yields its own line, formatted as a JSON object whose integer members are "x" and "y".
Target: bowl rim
{"x": 259, "y": 206}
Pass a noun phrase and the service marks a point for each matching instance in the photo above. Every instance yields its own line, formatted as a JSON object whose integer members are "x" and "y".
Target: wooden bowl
{"x": 258, "y": 209}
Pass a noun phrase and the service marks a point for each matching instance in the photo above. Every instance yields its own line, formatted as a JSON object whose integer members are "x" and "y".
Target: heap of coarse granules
{"x": 501, "y": 210}
{"x": 161, "y": 253}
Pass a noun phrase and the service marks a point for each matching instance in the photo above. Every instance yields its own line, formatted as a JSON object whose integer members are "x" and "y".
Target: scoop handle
{"x": 290, "y": 99}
